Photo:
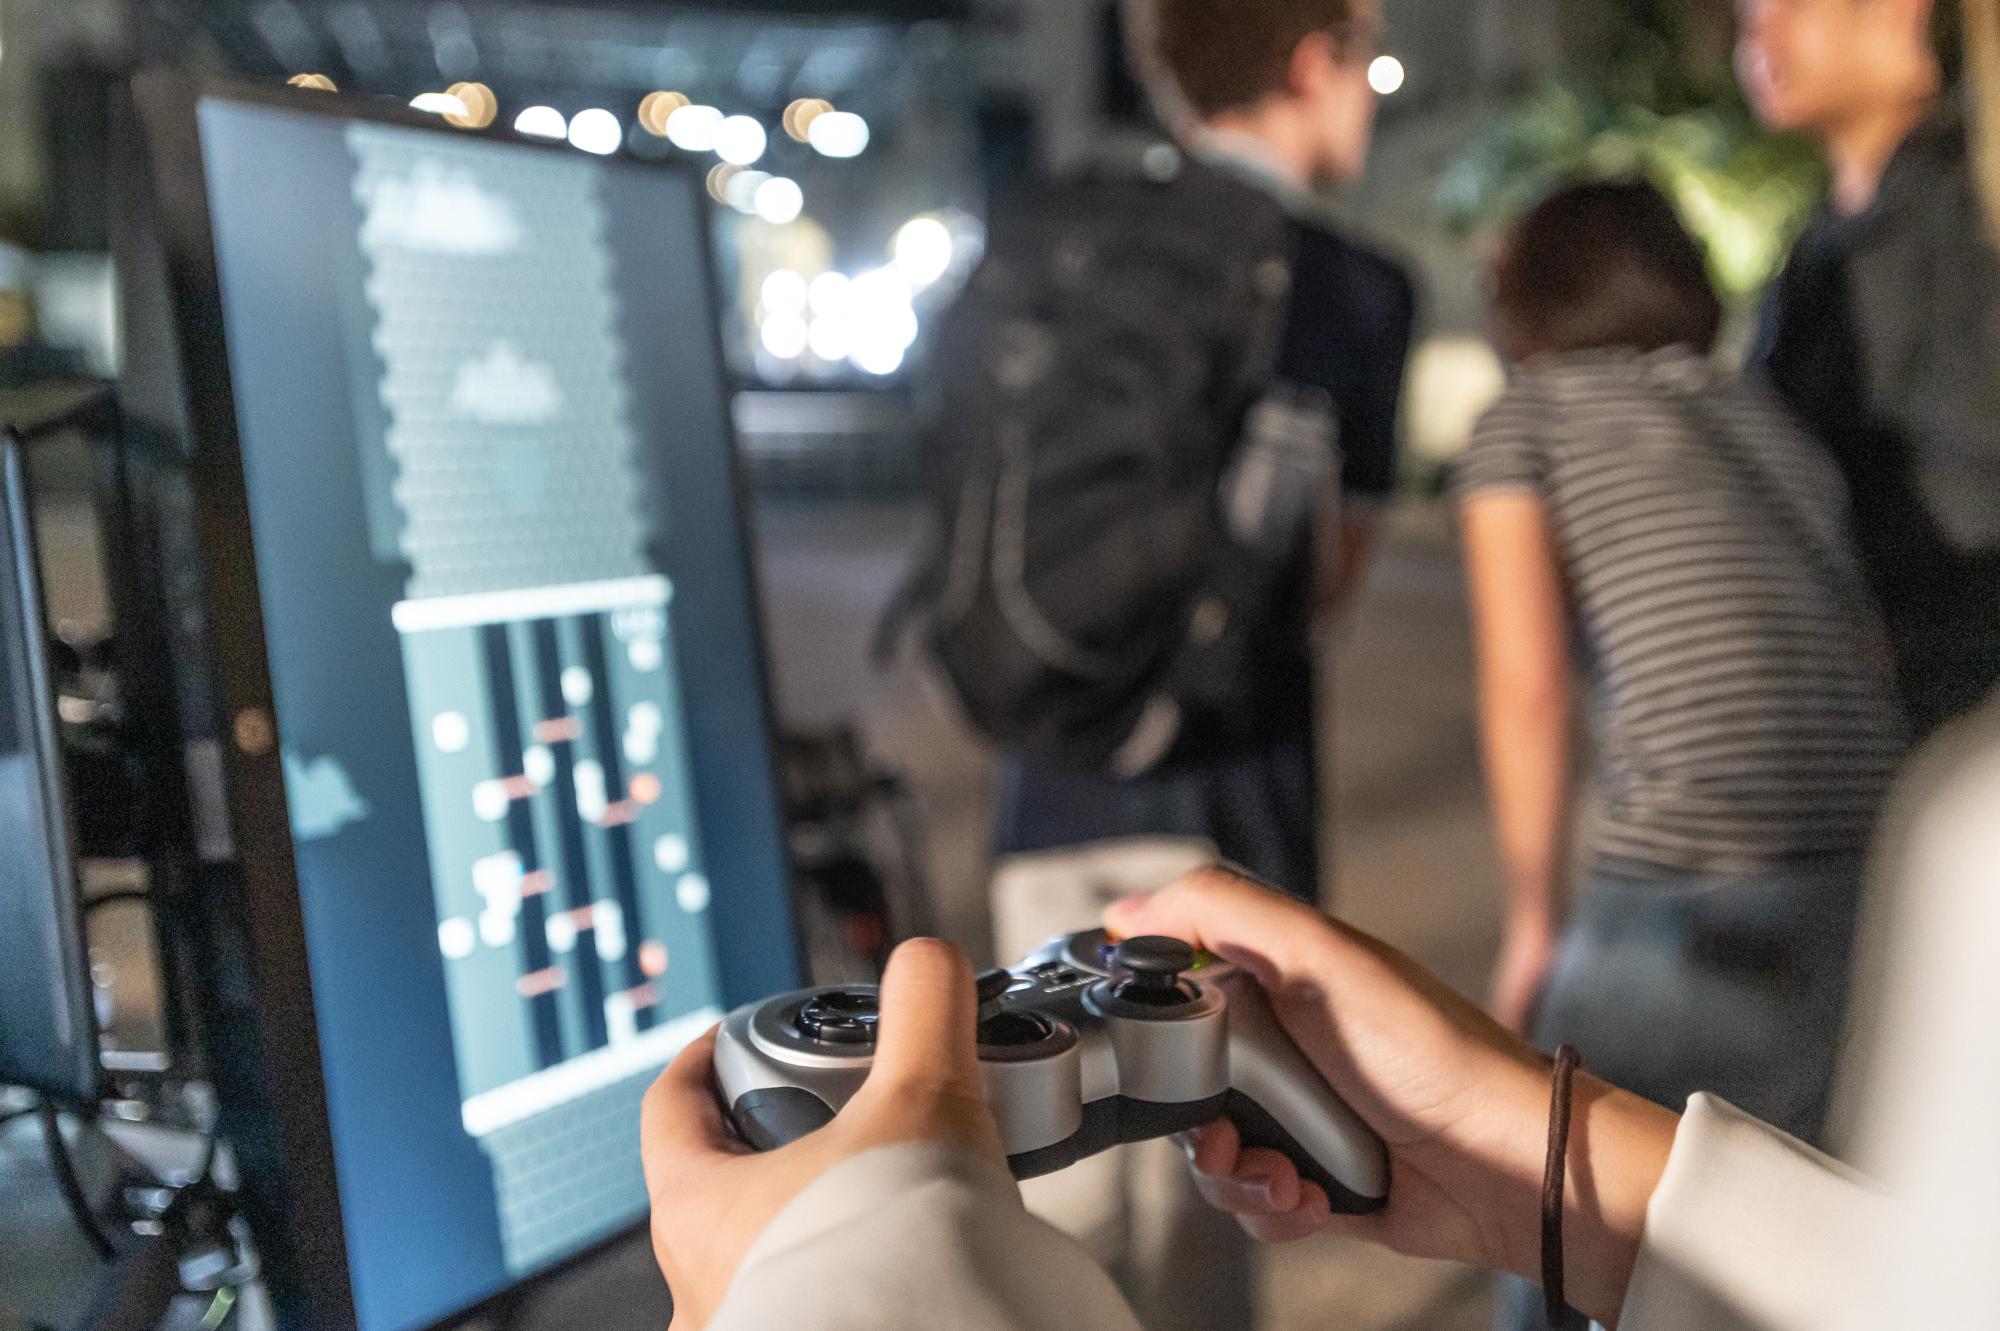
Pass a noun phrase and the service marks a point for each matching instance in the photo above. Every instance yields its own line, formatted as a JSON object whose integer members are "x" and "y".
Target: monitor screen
{"x": 513, "y": 663}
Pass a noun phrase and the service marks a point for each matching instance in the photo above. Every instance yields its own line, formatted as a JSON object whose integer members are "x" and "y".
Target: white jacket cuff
{"x": 1750, "y": 1230}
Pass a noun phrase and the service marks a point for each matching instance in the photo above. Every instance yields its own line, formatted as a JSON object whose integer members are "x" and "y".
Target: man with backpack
{"x": 1883, "y": 332}
{"x": 1165, "y": 414}
{"x": 1153, "y": 397}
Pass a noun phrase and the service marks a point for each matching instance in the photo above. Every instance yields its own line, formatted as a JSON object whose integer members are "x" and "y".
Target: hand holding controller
{"x": 1461, "y": 1103}
{"x": 1084, "y": 1045}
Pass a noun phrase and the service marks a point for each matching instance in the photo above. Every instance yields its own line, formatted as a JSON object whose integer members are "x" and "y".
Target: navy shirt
{"x": 1348, "y": 333}
{"x": 1352, "y": 316}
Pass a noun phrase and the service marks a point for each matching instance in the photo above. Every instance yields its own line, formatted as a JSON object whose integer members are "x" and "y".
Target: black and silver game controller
{"x": 1086, "y": 1044}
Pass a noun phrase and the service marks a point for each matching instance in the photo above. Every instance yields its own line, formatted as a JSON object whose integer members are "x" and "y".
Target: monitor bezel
{"x": 72, "y": 1075}
{"x": 313, "y": 1271}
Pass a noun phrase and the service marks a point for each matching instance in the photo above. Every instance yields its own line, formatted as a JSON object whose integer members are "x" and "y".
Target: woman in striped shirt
{"x": 1628, "y": 497}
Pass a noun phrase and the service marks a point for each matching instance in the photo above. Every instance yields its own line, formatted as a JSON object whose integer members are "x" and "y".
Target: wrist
{"x": 1617, "y": 1151}
{"x": 1618, "y": 1148}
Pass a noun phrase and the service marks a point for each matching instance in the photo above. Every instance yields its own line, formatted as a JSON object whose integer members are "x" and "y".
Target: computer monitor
{"x": 48, "y": 1030}
{"x": 486, "y": 667}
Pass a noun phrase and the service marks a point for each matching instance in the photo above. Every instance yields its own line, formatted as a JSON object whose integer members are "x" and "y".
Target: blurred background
{"x": 853, "y": 151}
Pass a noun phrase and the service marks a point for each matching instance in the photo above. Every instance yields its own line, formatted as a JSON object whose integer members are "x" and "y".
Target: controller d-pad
{"x": 840, "y": 1016}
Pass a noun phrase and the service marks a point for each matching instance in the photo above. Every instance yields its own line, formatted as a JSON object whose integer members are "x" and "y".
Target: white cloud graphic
{"x": 503, "y": 387}
{"x": 438, "y": 211}
{"x": 322, "y": 798}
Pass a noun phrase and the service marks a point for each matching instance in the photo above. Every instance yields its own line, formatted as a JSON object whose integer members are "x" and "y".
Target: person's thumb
{"x": 929, "y": 1012}
{"x": 925, "y": 1084}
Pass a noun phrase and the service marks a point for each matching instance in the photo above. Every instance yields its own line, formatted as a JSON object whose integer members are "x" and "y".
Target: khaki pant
{"x": 1182, "y": 1265}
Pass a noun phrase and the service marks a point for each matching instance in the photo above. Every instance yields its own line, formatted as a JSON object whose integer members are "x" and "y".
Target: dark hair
{"x": 1226, "y": 54}
{"x": 1602, "y": 264}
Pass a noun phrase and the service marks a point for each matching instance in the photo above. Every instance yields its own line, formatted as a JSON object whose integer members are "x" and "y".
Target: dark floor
{"x": 1414, "y": 864}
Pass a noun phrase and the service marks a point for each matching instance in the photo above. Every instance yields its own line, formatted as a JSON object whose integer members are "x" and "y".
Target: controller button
{"x": 840, "y": 1016}
{"x": 1014, "y": 1029}
{"x": 991, "y": 984}
{"x": 992, "y": 987}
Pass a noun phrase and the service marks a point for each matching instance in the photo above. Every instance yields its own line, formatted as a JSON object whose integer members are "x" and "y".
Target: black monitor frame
{"x": 59, "y": 1055}
{"x": 295, "y": 1208}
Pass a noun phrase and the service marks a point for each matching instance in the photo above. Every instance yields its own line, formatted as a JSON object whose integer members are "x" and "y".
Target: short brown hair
{"x": 1227, "y": 54}
{"x": 1602, "y": 264}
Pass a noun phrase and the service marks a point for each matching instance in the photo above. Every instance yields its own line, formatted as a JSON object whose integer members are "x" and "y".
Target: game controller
{"x": 1085, "y": 1044}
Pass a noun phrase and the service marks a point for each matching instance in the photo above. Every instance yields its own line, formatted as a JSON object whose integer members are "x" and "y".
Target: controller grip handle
{"x": 777, "y": 1116}
{"x": 1256, "y": 1127}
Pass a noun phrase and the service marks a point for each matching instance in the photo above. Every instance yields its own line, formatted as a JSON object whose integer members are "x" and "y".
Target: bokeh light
{"x": 655, "y": 107}
{"x": 596, "y": 130}
{"x": 798, "y": 117}
{"x": 784, "y": 292}
{"x": 692, "y": 128}
{"x": 438, "y": 104}
{"x": 479, "y": 103}
{"x": 779, "y": 200}
{"x": 541, "y": 122}
{"x": 740, "y": 139}
{"x": 923, "y": 250}
{"x": 838, "y": 134}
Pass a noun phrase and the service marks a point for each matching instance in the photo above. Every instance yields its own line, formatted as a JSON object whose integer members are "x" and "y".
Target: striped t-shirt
{"x": 1745, "y": 715}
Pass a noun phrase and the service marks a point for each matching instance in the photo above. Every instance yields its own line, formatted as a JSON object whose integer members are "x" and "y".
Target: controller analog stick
{"x": 1152, "y": 967}
{"x": 840, "y": 1016}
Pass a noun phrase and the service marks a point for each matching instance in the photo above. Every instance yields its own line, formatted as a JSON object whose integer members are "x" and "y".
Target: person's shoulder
{"x": 1930, "y": 187}
{"x": 1508, "y": 442}
{"x": 1522, "y": 402}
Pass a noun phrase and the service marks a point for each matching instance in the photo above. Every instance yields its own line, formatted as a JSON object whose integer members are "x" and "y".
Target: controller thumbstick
{"x": 1153, "y": 966}
{"x": 840, "y": 1016}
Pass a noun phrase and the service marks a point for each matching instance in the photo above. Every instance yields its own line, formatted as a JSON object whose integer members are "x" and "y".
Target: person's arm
{"x": 1520, "y": 628}
{"x": 1461, "y": 1103}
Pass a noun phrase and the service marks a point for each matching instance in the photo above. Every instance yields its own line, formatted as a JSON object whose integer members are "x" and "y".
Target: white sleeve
{"x": 1750, "y": 1230}
{"x": 913, "y": 1238}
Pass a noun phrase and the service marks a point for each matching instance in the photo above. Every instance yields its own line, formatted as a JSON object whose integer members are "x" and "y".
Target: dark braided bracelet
{"x": 1553, "y": 1174}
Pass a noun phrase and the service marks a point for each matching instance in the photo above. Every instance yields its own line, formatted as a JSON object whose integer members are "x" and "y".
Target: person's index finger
{"x": 1206, "y": 908}
{"x": 680, "y": 1119}
{"x": 929, "y": 1015}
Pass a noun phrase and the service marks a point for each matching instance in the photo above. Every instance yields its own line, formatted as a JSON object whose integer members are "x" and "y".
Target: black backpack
{"x": 1083, "y": 593}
